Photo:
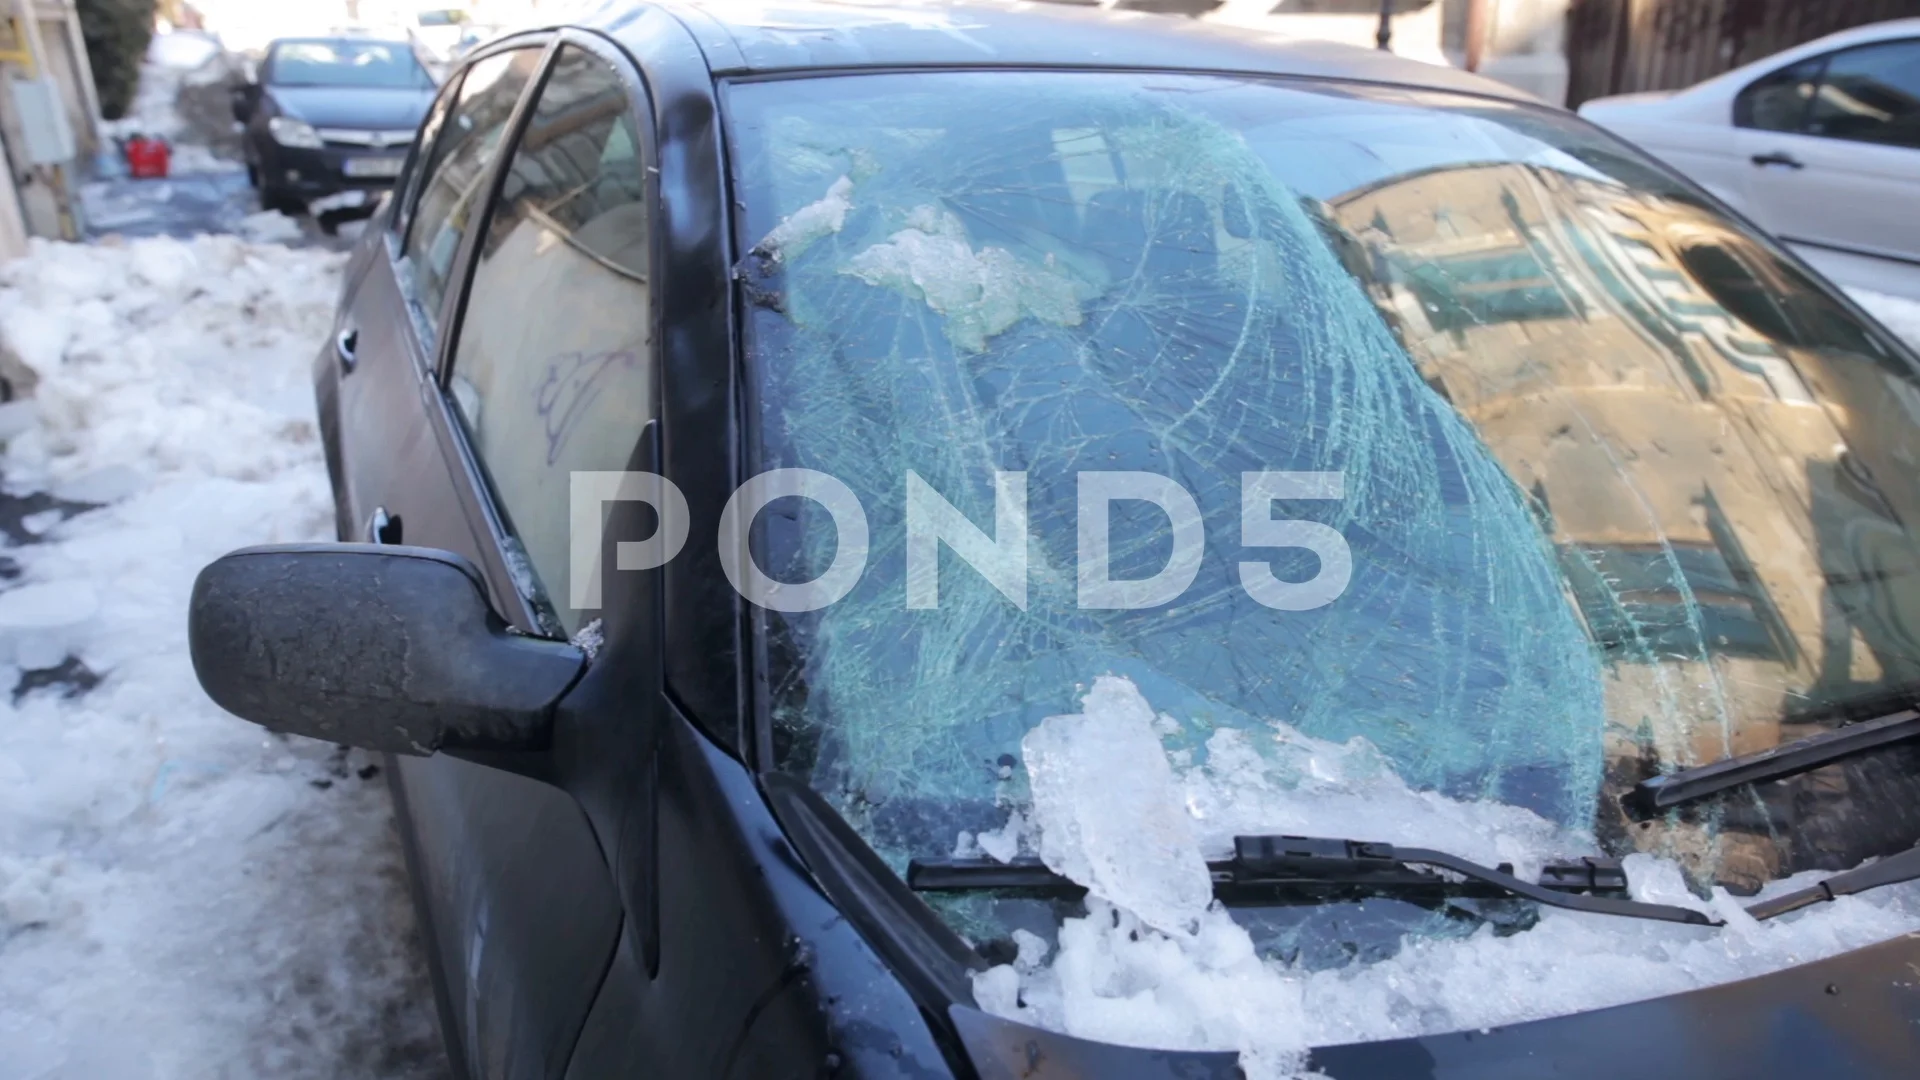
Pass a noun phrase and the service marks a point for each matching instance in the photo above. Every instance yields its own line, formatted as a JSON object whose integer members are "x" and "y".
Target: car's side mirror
{"x": 376, "y": 646}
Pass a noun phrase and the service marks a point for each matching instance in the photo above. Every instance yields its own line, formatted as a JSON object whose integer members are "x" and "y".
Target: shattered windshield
{"x": 1623, "y": 489}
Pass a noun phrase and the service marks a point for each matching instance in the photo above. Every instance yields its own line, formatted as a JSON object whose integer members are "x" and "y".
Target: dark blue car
{"x": 329, "y": 120}
{"x": 1450, "y": 480}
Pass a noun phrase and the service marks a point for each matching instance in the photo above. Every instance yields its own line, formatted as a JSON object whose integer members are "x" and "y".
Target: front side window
{"x": 1871, "y": 94}
{"x": 366, "y": 64}
{"x": 1779, "y": 101}
{"x": 552, "y": 372}
{"x": 451, "y": 192}
{"x": 1622, "y": 488}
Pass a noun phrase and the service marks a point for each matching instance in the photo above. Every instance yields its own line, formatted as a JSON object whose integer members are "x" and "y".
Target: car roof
{"x": 1871, "y": 32}
{"x": 742, "y": 37}
{"x": 338, "y": 39}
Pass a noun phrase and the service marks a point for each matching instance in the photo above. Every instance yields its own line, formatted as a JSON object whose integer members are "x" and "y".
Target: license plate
{"x": 372, "y": 166}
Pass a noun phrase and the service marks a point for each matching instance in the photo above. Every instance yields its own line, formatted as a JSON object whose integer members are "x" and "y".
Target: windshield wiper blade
{"x": 1263, "y": 867}
{"x": 1653, "y": 797}
{"x": 1891, "y": 870}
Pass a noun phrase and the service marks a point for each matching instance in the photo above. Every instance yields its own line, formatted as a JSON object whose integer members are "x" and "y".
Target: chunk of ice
{"x": 981, "y": 293}
{"x": 1115, "y": 977}
{"x": 1003, "y": 844}
{"x": 811, "y": 222}
{"x": 1110, "y": 816}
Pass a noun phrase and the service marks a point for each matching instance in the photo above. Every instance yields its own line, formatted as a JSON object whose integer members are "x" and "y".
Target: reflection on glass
{"x": 550, "y": 373}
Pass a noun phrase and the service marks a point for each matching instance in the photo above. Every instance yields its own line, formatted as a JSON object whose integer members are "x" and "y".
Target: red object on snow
{"x": 147, "y": 158}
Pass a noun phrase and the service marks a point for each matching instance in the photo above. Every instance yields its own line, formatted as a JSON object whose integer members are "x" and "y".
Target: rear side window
{"x": 1871, "y": 94}
{"x": 1778, "y": 102}
{"x": 450, "y": 189}
{"x": 552, "y": 371}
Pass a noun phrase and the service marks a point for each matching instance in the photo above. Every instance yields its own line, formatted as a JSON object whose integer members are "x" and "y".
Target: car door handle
{"x": 1778, "y": 158}
{"x": 344, "y": 346}
{"x": 383, "y": 528}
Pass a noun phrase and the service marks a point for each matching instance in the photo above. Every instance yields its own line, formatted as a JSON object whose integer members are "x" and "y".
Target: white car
{"x": 1819, "y": 144}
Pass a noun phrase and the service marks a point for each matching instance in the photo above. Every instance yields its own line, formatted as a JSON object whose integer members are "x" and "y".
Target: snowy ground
{"x": 180, "y": 896}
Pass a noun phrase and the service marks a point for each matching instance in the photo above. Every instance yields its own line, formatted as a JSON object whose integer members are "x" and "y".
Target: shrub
{"x": 117, "y": 33}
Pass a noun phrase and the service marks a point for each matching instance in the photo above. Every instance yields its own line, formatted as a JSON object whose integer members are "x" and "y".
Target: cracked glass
{"x": 1626, "y": 489}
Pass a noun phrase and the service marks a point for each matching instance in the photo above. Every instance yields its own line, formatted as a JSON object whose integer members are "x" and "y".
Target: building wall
{"x": 1524, "y": 44}
{"x": 39, "y": 196}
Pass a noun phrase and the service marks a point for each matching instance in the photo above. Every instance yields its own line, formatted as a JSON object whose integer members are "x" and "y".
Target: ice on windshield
{"x": 1117, "y": 974}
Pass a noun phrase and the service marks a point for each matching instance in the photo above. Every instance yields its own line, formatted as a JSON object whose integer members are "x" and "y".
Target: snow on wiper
{"x": 1269, "y": 869}
{"x": 1653, "y": 797}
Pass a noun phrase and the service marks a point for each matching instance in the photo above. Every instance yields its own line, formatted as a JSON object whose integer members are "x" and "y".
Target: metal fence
{"x": 1622, "y": 46}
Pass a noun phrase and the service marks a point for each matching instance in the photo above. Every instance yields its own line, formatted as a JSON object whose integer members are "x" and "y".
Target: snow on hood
{"x": 1154, "y": 964}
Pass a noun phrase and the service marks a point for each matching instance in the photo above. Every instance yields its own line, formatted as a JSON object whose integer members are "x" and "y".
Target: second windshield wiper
{"x": 1655, "y": 796}
{"x": 1264, "y": 867}
{"x": 1892, "y": 870}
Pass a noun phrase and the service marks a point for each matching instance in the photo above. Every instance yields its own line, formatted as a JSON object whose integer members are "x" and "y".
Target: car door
{"x": 548, "y": 372}
{"x": 1832, "y": 146}
{"x": 387, "y": 341}
{"x": 520, "y": 916}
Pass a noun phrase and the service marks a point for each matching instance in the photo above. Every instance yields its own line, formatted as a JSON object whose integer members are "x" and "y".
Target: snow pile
{"x": 181, "y": 895}
{"x": 1898, "y": 314}
{"x": 270, "y": 227}
{"x": 1119, "y": 976}
{"x": 176, "y": 60}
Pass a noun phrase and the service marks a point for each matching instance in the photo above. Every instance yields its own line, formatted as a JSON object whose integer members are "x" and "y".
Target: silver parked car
{"x": 1820, "y": 144}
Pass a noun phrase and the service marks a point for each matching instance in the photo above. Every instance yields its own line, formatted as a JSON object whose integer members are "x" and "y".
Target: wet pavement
{"x": 176, "y": 206}
{"x": 189, "y": 204}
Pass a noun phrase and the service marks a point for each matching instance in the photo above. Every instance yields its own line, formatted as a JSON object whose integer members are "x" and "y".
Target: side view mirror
{"x": 375, "y": 646}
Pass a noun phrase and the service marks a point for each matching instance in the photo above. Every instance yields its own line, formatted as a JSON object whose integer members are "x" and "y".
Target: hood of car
{"x": 1647, "y": 102}
{"x": 1856, "y": 1014}
{"x": 374, "y": 108}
